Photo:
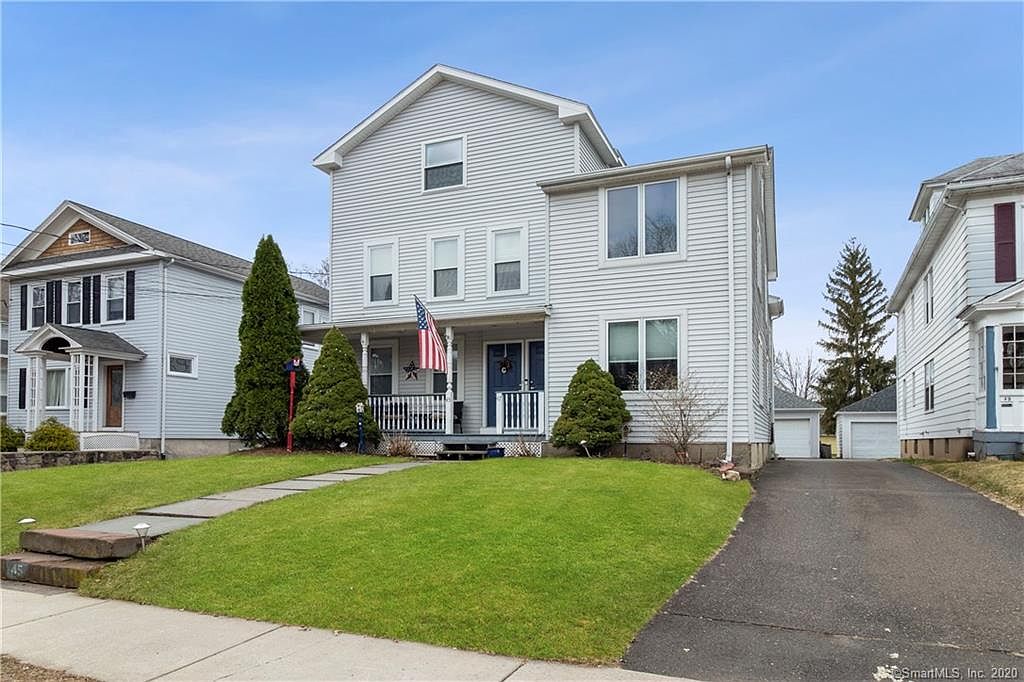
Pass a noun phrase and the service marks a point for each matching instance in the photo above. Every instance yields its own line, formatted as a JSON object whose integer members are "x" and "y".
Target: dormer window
{"x": 444, "y": 164}
{"x": 79, "y": 237}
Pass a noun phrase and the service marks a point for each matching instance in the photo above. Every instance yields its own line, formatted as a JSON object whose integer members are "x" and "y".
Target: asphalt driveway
{"x": 850, "y": 571}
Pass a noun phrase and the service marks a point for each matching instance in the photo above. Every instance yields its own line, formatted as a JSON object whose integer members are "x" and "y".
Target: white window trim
{"x": 681, "y": 219}
{"x": 640, "y": 316}
{"x": 393, "y": 243}
{"x": 67, "y": 389}
{"x": 65, "y": 302}
{"x": 194, "y": 374}
{"x": 86, "y": 232}
{"x": 524, "y": 266}
{"x": 395, "y": 362}
{"x": 103, "y": 297}
{"x": 929, "y": 297}
{"x": 929, "y": 373}
{"x": 461, "y": 264}
{"x": 303, "y": 310}
{"x": 31, "y": 305}
{"x": 423, "y": 164}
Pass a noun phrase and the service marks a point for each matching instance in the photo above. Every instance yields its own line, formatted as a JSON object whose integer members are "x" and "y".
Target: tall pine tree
{"x": 268, "y": 337}
{"x": 855, "y": 323}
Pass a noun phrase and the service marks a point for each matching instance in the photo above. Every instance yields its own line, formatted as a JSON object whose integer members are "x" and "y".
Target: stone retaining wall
{"x": 12, "y": 461}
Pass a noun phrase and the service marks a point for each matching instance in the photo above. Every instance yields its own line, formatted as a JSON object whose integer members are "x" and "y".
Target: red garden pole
{"x": 291, "y": 367}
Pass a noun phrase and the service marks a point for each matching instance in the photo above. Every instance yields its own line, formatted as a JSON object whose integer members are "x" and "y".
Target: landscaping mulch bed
{"x": 13, "y": 670}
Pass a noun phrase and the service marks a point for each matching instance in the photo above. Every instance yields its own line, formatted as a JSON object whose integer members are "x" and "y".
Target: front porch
{"x": 493, "y": 391}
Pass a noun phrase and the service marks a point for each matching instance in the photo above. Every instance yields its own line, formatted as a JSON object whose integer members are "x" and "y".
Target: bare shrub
{"x": 682, "y": 409}
{"x": 399, "y": 445}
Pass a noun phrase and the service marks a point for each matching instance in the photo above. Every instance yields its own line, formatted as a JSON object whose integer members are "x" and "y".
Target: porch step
{"x": 80, "y": 544}
{"x": 48, "y": 569}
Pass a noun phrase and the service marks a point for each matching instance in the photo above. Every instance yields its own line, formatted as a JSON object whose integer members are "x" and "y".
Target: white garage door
{"x": 873, "y": 440}
{"x": 793, "y": 438}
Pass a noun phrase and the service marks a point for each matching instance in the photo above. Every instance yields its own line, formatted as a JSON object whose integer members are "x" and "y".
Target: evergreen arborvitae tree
{"x": 856, "y": 326}
{"x": 592, "y": 410}
{"x": 326, "y": 417}
{"x": 268, "y": 337}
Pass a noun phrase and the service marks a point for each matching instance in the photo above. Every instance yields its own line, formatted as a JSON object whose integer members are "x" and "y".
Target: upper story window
{"x": 445, "y": 266}
{"x": 444, "y": 164}
{"x": 113, "y": 291}
{"x": 1013, "y": 356}
{"x": 380, "y": 267}
{"x": 38, "y": 305}
{"x": 79, "y": 237}
{"x": 929, "y": 385}
{"x": 656, "y": 350}
{"x": 642, "y": 219}
{"x": 73, "y": 303}
{"x": 308, "y": 317}
{"x": 507, "y": 260}
{"x": 929, "y": 298}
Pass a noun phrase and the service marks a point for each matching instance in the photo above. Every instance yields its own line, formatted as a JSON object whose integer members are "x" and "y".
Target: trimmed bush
{"x": 52, "y": 436}
{"x": 326, "y": 416}
{"x": 592, "y": 410}
{"x": 10, "y": 438}
{"x": 268, "y": 337}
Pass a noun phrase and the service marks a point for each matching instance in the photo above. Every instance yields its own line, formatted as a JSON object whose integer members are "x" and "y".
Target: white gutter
{"x": 732, "y": 310}
{"x": 163, "y": 357}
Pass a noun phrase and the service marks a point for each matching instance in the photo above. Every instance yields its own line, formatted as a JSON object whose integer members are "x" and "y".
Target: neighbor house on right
{"x": 960, "y": 313}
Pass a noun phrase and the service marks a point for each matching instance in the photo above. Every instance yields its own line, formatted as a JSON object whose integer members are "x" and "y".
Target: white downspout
{"x": 163, "y": 357}
{"x": 732, "y": 311}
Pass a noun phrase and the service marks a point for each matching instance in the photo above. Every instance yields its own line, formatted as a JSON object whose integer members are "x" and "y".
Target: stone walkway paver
{"x": 114, "y": 640}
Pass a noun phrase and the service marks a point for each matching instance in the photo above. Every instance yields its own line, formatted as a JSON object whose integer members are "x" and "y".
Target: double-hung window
{"x": 929, "y": 298}
{"x": 381, "y": 370}
{"x": 1013, "y": 356}
{"x": 73, "y": 305}
{"x": 113, "y": 289}
{"x": 38, "y": 305}
{"x": 57, "y": 388}
{"x": 929, "y": 386}
{"x": 642, "y": 220}
{"x": 643, "y": 354}
{"x": 507, "y": 256}
{"x": 445, "y": 267}
{"x": 982, "y": 365}
{"x": 444, "y": 164}
{"x": 380, "y": 263}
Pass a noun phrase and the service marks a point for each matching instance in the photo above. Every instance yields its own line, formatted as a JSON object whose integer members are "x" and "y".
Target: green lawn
{"x": 543, "y": 558}
{"x": 1003, "y": 480}
{"x": 69, "y": 496}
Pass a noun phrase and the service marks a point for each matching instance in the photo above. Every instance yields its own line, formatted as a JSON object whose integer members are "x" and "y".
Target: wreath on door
{"x": 505, "y": 365}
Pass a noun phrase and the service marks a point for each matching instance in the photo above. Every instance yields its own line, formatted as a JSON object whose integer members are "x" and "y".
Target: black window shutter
{"x": 22, "y": 381}
{"x": 58, "y": 302}
{"x": 51, "y": 301}
{"x": 24, "y": 307}
{"x": 96, "y": 316}
{"x": 1005, "y": 242}
{"x": 86, "y": 300}
{"x": 129, "y": 295}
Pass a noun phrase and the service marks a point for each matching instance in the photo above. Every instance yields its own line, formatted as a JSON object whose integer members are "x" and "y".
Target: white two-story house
{"x": 127, "y": 334}
{"x": 509, "y": 213}
{"x": 960, "y": 315}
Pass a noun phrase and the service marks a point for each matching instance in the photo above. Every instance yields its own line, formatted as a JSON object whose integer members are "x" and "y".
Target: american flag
{"x": 433, "y": 354}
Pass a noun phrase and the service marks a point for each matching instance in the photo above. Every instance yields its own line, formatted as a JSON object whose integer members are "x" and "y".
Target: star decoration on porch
{"x": 410, "y": 371}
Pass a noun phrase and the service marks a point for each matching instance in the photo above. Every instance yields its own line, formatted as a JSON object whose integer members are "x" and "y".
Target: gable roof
{"x": 141, "y": 237}
{"x": 99, "y": 342}
{"x": 786, "y": 400}
{"x": 569, "y": 111}
{"x": 882, "y": 401}
{"x": 983, "y": 168}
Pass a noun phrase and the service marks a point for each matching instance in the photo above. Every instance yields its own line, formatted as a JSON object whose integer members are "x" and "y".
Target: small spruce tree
{"x": 268, "y": 337}
{"x": 856, "y": 331}
{"x": 326, "y": 417}
{"x": 592, "y": 410}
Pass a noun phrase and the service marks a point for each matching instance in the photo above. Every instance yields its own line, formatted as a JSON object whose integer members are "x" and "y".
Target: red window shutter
{"x": 1006, "y": 242}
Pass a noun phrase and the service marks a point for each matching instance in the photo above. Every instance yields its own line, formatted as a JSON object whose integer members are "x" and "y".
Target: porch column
{"x": 77, "y": 390}
{"x": 364, "y": 339}
{"x": 36, "y": 391}
{"x": 92, "y": 421}
{"x": 449, "y": 395}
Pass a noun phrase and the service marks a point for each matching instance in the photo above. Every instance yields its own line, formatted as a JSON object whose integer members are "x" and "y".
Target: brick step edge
{"x": 81, "y": 544}
{"x": 48, "y": 569}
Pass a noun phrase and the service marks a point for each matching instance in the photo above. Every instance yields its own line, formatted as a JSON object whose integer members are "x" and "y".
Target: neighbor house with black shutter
{"x": 126, "y": 333}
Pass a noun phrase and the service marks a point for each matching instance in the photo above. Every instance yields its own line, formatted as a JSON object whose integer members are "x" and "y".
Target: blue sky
{"x": 202, "y": 119}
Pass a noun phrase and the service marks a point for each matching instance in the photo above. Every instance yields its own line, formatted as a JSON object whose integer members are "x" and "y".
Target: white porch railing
{"x": 520, "y": 411}
{"x": 409, "y": 413}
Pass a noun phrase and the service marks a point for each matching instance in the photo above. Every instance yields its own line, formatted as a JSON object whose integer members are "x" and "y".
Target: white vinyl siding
{"x": 377, "y": 193}
{"x": 590, "y": 160}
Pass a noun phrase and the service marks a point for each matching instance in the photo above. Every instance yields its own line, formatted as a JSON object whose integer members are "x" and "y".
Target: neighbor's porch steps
{"x": 64, "y": 557}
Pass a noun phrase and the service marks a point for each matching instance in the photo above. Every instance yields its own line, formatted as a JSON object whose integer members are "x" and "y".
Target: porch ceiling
{"x": 314, "y": 333}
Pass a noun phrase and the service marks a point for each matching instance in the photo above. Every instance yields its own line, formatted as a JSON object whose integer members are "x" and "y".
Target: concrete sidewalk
{"x": 113, "y": 640}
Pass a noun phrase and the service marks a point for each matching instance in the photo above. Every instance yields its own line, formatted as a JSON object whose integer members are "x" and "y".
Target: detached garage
{"x": 867, "y": 428}
{"x": 797, "y": 425}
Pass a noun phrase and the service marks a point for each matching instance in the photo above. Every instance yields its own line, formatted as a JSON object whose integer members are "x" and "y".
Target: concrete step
{"x": 81, "y": 544}
{"x": 47, "y": 569}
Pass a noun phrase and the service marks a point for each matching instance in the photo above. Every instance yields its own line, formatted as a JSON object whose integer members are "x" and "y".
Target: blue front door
{"x": 504, "y": 373}
{"x": 536, "y": 351}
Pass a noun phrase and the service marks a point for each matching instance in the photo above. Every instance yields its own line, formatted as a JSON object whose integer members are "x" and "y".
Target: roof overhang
{"x": 950, "y": 203}
{"x": 1006, "y": 300}
{"x": 776, "y": 307}
{"x": 569, "y": 112}
{"x": 314, "y": 333}
{"x": 799, "y": 409}
{"x": 34, "y": 344}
